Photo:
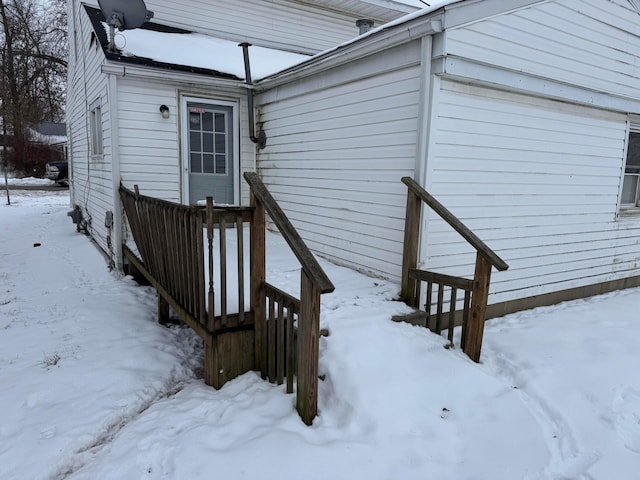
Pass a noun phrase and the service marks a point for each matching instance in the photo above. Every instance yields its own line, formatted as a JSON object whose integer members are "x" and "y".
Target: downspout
{"x": 115, "y": 172}
{"x": 261, "y": 139}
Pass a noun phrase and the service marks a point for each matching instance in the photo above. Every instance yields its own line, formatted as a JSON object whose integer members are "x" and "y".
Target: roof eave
{"x": 382, "y": 39}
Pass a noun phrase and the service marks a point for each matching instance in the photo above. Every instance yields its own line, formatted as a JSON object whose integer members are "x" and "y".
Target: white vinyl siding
{"x": 630, "y": 196}
{"x": 278, "y": 23}
{"x": 150, "y": 153}
{"x": 92, "y": 178}
{"x": 538, "y": 181}
{"x": 579, "y": 42}
{"x": 335, "y": 156}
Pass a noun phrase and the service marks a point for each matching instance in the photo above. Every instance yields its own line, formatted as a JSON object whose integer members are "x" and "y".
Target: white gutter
{"x": 380, "y": 40}
{"x": 151, "y": 73}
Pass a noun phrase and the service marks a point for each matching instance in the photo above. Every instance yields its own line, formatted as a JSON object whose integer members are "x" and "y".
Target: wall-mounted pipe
{"x": 261, "y": 139}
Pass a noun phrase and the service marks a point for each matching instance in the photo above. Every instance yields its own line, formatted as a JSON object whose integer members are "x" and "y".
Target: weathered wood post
{"x": 410, "y": 248}
{"x": 257, "y": 255}
{"x": 479, "y": 297}
{"x": 308, "y": 349}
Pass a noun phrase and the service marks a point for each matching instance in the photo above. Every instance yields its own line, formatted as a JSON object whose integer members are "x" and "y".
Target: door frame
{"x": 184, "y": 139}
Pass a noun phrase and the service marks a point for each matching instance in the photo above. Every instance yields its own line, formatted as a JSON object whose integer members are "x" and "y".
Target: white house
{"x": 521, "y": 116}
{"x": 117, "y": 131}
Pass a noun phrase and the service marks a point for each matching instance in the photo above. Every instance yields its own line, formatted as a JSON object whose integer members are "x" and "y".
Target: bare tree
{"x": 32, "y": 72}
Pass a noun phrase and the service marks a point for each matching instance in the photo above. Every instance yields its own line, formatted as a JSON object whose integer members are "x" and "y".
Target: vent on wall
{"x": 364, "y": 24}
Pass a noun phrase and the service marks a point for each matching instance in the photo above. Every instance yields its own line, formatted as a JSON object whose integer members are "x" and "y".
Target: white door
{"x": 209, "y": 156}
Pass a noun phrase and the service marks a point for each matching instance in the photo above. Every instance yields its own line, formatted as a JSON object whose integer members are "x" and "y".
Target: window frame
{"x": 96, "y": 134}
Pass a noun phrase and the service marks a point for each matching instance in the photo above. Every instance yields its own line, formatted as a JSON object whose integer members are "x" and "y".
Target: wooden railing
{"x": 313, "y": 283}
{"x": 279, "y": 334}
{"x": 474, "y": 305}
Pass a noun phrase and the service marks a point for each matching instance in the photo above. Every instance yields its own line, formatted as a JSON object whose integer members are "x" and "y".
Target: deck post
{"x": 479, "y": 299}
{"x": 163, "y": 310}
{"x": 410, "y": 248}
{"x": 257, "y": 273}
{"x": 308, "y": 349}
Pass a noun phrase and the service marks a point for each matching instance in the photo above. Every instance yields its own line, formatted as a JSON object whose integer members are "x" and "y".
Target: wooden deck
{"x": 278, "y": 335}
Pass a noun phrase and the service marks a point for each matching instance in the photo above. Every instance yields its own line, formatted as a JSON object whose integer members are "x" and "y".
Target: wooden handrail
{"x": 308, "y": 262}
{"x": 456, "y": 224}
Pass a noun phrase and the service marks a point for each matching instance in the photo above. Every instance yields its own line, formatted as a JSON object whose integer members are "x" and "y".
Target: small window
{"x": 631, "y": 183}
{"x": 95, "y": 126}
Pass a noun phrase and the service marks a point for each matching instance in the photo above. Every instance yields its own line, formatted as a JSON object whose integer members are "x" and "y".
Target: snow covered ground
{"x": 92, "y": 388}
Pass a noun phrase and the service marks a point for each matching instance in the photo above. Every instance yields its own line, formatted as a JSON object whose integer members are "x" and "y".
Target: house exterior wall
{"x": 338, "y": 144}
{"x": 276, "y": 23}
{"x": 537, "y": 180}
{"x": 91, "y": 176}
{"x": 578, "y": 42}
{"x": 150, "y": 150}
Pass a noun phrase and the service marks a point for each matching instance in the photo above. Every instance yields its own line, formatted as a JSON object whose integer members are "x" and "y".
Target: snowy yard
{"x": 92, "y": 388}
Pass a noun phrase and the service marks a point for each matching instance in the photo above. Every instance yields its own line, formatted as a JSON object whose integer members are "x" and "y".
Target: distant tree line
{"x": 33, "y": 68}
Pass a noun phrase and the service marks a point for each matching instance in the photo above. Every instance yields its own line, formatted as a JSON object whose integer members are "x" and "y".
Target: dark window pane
{"x": 633, "y": 153}
{"x": 221, "y": 143}
{"x": 207, "y": 163}
{"x": 194, "y": 142}
{"x": 207, "y": 122}
{"x": 207, "y": 142}
{"x": 220, "y": 127}
{"x": 194, "y": 121}
{"x": 221, "y": 164}
{"x": 196, "y": 163}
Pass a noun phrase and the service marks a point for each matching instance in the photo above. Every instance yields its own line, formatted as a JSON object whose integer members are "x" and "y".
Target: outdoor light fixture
{"x": 164, "y": 111}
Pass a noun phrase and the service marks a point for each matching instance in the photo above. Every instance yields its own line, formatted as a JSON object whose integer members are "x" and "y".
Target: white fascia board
{"x": 478, "y": 73}
{"x": 396, "y": 35}
{"x": 470, "y": 11}
{"x": 170, "y": 76}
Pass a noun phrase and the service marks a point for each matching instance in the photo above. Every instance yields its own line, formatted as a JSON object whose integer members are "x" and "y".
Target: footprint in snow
{"x": 626, "y": 414}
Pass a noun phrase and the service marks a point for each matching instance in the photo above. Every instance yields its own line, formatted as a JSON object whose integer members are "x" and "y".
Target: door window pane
{"x": 220, "y": 123}
{"x": 196, "y": 162}
{"x": 207, "y": 142}
{"x": 221, "y": 164}
{"x": 194, "y": 142}
{"x": 207, "y": 121}
{"x": 221, "y": 143}
{"x": 194, "y": 121}
{"x": 207, "y": 163}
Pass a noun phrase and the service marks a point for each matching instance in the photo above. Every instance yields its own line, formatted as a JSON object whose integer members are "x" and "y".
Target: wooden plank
{"x": 280, "y": 350}
{"x": 281, "y": 296}
{"x": 271, "y": 342}
{"x": 456, "y": 224}
{"x": 290, "y": 349}
{"x": 240, "y": 238}
{"x": 410, "y": 247}
{"x": 308, "y": 349}
{"x": 477, "y": 314}
{"x": 257, "y": 276}
{"x": 289, "y": 233}
{"x": 452, "y": 314}
{"x": 427, "y": 306}
{"x": 184, "y": 315}
{"x": 210, "y": 291}
{"x": 465, "y": 316}
{"x": 448, "y": 280}
{"x": 163, "y": 311}
{"x": 439, "y": 308}
{"x": 222, "y": 228}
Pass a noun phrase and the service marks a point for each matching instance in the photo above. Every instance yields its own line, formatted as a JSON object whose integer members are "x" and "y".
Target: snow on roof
{"x": 203, "y": 51}
{"x": 435, "y": 5}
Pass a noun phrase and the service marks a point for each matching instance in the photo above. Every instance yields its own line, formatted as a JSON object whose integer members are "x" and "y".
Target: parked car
{"x": 58, "y": 172}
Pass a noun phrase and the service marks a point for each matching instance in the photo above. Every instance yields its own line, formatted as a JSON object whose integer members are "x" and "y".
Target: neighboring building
{"x": 521, "y": 117}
